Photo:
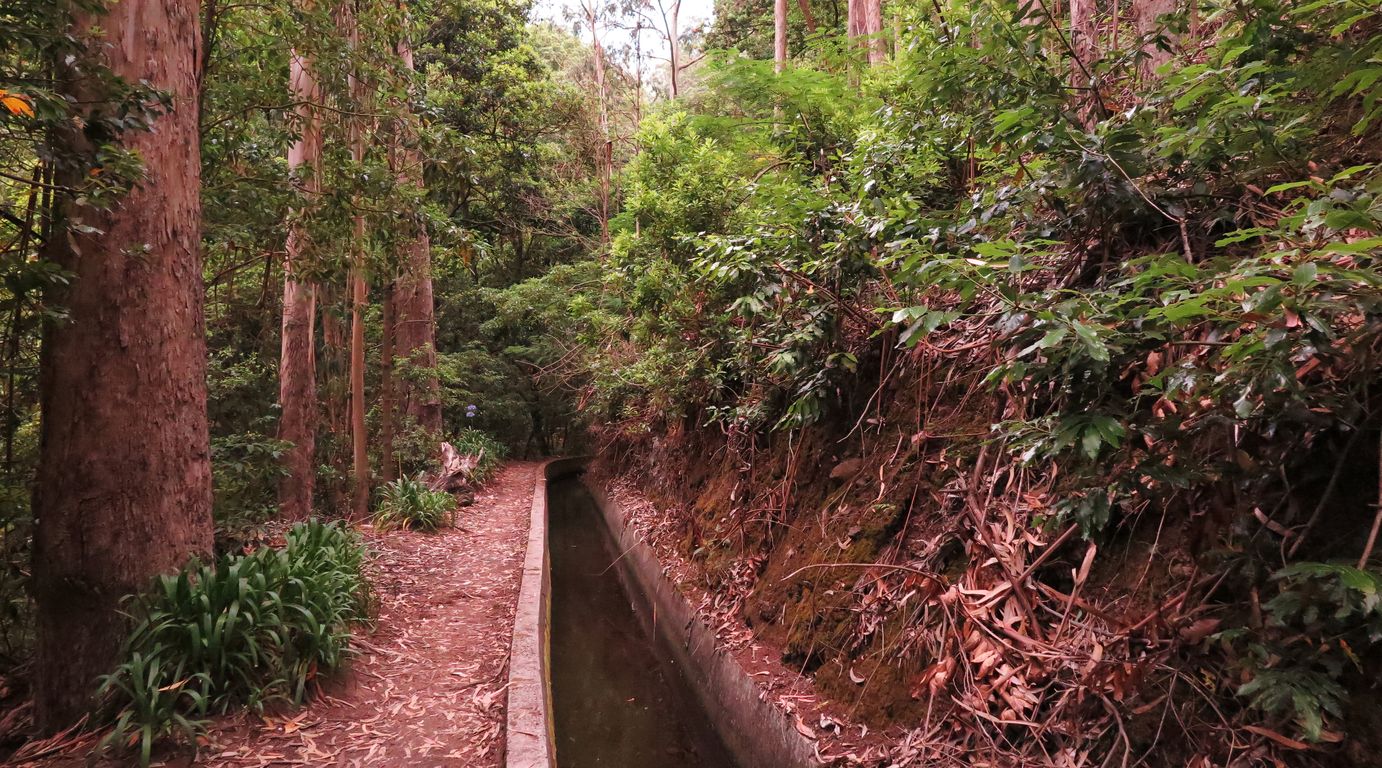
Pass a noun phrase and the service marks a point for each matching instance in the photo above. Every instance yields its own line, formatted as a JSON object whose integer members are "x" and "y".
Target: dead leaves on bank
{"x": 1023, "y": 657}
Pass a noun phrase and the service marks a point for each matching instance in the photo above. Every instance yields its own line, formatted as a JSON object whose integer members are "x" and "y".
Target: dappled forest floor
{"x": 427, "y": 688}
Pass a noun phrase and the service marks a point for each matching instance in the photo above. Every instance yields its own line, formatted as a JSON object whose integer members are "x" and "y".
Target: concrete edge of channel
{"x": 757, "y": 732}
{"x": 528, "y": 735}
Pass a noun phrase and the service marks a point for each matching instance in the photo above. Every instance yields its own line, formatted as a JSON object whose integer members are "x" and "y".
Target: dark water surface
{"x": 618, "y": 703}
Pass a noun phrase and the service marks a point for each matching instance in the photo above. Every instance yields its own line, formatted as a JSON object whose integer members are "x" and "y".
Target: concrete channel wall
{"x": 528, "y": 736}
{"x": 756, "y": 732}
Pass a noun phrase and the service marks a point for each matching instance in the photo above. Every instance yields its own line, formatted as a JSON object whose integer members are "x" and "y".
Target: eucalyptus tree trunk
{"x": 359, "y": 293}
{"x": 297, "y": 365}
{"x": 414, "y": 305}
{"x": 605, "y": 153}
{"x": 865, "y": 20}
{"x": 805, "y": 6}
{"x": 873, "y": 29}
{"x": 779, "y": 35}
{"x": 1083, "y": 45}
{"x": 123, "y": 491}
{"x": 386, "y": 395}
{"x": 359, "y": 439}
{"x": 674, "y": 47}
{"x": 1145, "y": 14}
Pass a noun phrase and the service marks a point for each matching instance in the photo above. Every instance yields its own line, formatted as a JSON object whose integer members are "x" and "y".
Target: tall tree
{"x": 1146, "y": 15}
{"x": 1083, "y": 45}
{"x": 865, "y": 20}
{"x": 297, "y": 368}
{"x": 604, "y": 159}
{"x": 779, "y": 35}
{"x": 124, "y": 486}
{"x": 413, "y": 304}
{"x": 388, "y": 321}
{"x": 359, "y": 291}
{"x": 873, "y": 29}
{"x": 671, "y": 21}
{"x": 807, "y": 16}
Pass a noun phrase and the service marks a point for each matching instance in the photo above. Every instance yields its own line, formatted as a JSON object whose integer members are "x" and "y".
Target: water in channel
{"x": 619, "y": 702}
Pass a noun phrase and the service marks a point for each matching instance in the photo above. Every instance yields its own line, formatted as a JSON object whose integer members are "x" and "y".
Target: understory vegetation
{"x": 244, "y": 631}
{"x": 409, "y": 503}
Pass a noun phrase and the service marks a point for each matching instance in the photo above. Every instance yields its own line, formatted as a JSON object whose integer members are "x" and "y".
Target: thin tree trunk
{"x": 638, "y": 77}
{"x": 420, "y": 391}
{"x": 605, "y": 157}
{"x": 805, "y": 6}
{"x": 386, "y": 401}
{"x": 359, "y": 294}
{"x": 358, "y": 435}
{"x": 297, "y": 374}
{"x": 1145, "y": 14}
{"x": 674, "y": 48}
{"x": 873, "y": 29}
{"x": 123, "y": 491}
{"x": 1083, "y": 39}
{"x": 779, "y": 35}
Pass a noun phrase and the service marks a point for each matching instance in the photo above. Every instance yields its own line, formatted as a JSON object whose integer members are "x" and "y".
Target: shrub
{"x": 246, "y": 630}
{"x": 475, "y": 442}
{"x": 408, "y": 503}
{"x": 246, "y": 468}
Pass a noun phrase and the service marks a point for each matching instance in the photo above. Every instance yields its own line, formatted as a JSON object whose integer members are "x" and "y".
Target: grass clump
{"x": 408, "y": 503}
{"x": 245, "y": 630}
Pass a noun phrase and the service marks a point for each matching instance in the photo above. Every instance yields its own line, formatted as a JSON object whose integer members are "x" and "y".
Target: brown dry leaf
{"x": 1284, "y": 741}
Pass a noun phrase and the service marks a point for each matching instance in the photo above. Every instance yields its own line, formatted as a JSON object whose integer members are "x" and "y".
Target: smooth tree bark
{"x": 414, "y": 305}
{"x": 359, "y": 439}
{"x": 386, "y": 394}
{"x": 123, "y": 490}
{"x": 779, "y": 35}
{"x": 297, "y": 365}
{"x": 1145, "y": 15}
{"x": 873, "y": 29}
{"x": 604, "y": 158}
{"x": 359, "y": 294}
{"x": 671, "y": 15}
{"x": 1083, "y": 45}
{"x": 808, "y": 16}
{"x": 864, "y": 19}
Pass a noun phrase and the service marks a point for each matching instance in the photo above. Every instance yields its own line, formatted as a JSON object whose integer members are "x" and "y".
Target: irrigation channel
{"x": 619, "y": 701}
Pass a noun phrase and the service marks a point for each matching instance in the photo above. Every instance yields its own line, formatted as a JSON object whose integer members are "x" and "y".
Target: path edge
{"x": 528, "y": 736}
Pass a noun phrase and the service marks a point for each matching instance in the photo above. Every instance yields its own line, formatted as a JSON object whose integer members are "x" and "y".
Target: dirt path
{"x": 428, "y": 687}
